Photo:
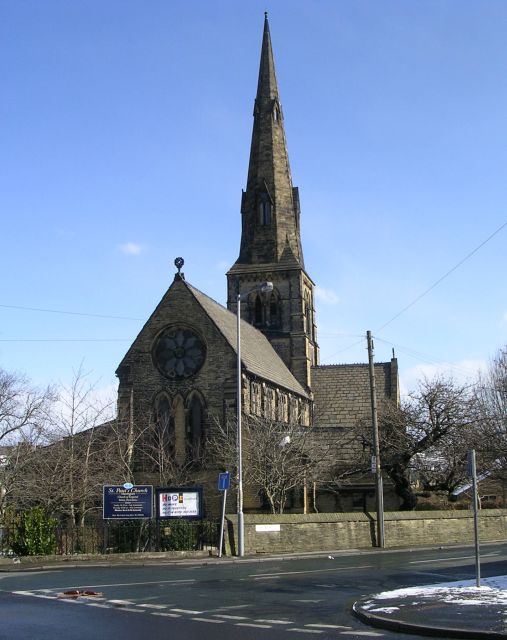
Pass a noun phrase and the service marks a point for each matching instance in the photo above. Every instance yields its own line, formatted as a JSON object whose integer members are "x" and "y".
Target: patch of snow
{"x": 464, "y": 592}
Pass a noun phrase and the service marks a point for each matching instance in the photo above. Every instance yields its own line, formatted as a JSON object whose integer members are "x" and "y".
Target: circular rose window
{"x": 179, "y": 353}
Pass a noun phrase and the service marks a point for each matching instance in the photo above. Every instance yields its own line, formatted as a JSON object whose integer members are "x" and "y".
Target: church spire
{"x": 270, "y": 204}
{"x": 267, "y": 86}
{"x": 270, "y": 239}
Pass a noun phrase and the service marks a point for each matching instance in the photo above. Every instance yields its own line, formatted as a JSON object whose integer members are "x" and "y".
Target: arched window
{"x": 275, "y": 320}
{"x": 164, "y": 424}
{"x": 265, "y": 310}
{"x": 195, "y": 423}
{"x": 258, "y": 319}
{"x": 264, "y": 209}
{"x": 180, "y": 453}
{"x": 308, "y": 316}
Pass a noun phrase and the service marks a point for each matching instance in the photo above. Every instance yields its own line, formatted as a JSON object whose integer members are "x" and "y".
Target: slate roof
{"x": 342, "y": 392}
{"x": 257, "y": 355}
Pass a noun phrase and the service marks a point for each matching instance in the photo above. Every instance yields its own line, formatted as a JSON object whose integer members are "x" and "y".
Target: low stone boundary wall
{"x": 332, "y": 531}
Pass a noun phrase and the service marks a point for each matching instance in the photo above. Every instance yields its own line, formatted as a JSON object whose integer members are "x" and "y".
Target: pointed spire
{"x": 267, "y": 87}
{"x": 270, "y": 205}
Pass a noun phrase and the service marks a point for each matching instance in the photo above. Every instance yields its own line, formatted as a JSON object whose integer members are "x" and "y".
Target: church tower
{"x": 270, "y": 247}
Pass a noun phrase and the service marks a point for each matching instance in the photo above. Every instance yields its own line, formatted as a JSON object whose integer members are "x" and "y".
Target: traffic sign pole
{"x": 224, "y": 480}
{"x": 472, "y": 471}
{"x": 221, "y": 542}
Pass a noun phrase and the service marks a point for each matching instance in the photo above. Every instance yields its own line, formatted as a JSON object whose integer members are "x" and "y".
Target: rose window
{"x": 179, "y": 353}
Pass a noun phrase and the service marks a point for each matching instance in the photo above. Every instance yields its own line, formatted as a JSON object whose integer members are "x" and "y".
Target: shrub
{"x": 180, "y": 535}
{"x": 33, "y": 533}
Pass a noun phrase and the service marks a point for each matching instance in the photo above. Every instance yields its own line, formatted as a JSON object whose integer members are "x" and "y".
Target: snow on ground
{"x": 492, "y": 591}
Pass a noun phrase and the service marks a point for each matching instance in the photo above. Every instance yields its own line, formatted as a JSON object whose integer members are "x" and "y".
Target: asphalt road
{"x": 267, "y": 600}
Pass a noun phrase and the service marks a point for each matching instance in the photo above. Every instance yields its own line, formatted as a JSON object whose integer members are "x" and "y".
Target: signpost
{"x": 127, "y": 502}
{"x": 224, "y": 481}
{"x": 472, "y": 472}
{"x": 179, "y": 502}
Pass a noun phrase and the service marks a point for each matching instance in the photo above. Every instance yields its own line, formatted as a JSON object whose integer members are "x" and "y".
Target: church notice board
{"x": 179, "y": 502}
{"x": 127, "y": 501}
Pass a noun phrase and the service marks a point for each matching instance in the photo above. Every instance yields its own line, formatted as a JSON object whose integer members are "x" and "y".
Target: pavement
{"x": 451, "y": 610}
{"x": 438, "y": 611}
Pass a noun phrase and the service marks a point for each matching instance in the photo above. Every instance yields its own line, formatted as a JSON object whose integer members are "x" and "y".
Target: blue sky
{"x": 125, "y": 130}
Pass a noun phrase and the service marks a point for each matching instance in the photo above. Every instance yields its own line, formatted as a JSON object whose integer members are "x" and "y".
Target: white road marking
{"x": 98, "y": 604}
{"x": 155, "y": 606}
{"x": 362, "y": 633}
{"x": 327, "y": 626}
{"x": 326, "y": 586}
{"x": 293, "y": 573}
{"x": 312, "y": 601}
{"x": 190, "y": 611}
{"x": 304, "y": 630}
{"x": 251, "y": 624}
{"x": 209, "y": 620}
{"x": 134, "y": 610}
{"x": 449, "y": 559}
{"x": 276, "y": 621}
{"x": 439, "y": 560}
{"x": 121, "y": 602}
{"x": 232, "y": 606}
{"x": 227, "y": 617}
{"x": 120, "y": 584}
{"x": 166, "y": 615}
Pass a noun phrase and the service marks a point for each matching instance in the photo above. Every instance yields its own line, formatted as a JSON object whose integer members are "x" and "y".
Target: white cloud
{"x": 131, "y": 248}
{"x": 463, "y": 372}
{"x": 327, "y": 296}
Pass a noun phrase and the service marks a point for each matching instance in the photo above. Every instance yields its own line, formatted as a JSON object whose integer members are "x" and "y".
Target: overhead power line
{"x": 448, "y": 273}
{"x": 436, "y": 283}
{"x": 64, "y": 339}
{"x": 428, "y": 359}
{"x": 70, "y": 313}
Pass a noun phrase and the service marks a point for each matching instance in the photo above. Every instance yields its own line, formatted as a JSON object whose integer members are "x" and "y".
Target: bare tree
{"x": 24, "y": 415}
{"x": 439, "y": 417}
{"x": 278, "y": 458}
{"x": 156, "y": 447}
{"x": 68, "y": 466}
{"x": 491, "y": 440}
{"x": 22, "y": 406}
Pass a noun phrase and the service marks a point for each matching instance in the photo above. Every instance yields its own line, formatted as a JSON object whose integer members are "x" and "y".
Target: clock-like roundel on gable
{"x": 178, "y": 352}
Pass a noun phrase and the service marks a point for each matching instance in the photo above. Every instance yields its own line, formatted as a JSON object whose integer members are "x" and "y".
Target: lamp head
{"x": 266, "y": 287}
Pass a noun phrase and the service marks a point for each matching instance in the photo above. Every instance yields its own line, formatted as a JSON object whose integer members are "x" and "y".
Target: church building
{"x": 181, "y": 370}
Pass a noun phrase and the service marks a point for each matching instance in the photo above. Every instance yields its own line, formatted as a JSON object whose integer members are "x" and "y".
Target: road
{"x": 271, "y": 599}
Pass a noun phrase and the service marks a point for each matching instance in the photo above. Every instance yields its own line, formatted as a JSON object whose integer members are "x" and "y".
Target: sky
{"x": 125, "y": 129}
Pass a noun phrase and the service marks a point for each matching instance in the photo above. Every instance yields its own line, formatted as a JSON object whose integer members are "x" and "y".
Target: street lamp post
{"x": 264, "y": 287}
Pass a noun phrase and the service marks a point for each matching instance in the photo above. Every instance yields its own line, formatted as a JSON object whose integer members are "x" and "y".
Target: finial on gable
{"x": 178, "y": 263}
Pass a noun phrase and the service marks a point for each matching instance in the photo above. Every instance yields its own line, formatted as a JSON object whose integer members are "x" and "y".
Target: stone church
{"x": 182, "y": 367}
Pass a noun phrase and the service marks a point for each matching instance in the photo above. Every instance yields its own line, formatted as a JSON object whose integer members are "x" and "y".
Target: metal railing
{"x": 129, "y": 536}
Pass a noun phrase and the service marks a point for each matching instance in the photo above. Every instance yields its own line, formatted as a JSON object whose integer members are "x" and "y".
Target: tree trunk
{"x": 402, "y": 487}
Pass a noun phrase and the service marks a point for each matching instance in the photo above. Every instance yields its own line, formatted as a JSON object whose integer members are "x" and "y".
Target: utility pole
{"x": 379, "y": 490}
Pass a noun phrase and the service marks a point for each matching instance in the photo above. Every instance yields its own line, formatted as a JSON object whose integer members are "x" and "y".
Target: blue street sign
{"x": 224, "y": 480}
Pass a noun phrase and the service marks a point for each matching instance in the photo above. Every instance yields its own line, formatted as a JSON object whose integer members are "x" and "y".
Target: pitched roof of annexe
{"x": 257, "y": 355}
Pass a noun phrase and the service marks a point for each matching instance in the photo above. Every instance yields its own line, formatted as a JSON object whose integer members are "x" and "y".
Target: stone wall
{"x": 333, "y": 531}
